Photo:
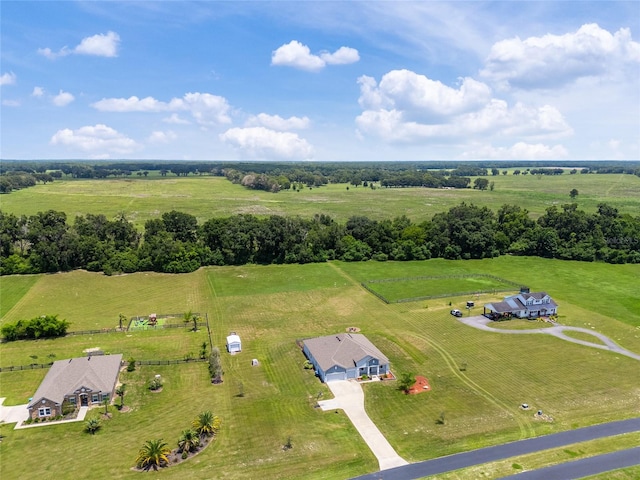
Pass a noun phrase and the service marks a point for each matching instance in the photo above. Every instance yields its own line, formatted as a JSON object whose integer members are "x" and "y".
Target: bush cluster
{"x": 215, "y": 366}
{"x": 46, "y": 326}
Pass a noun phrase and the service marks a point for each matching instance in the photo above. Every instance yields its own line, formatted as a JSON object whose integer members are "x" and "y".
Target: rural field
{"x": 141, "y": 199}
{"x": 478, "y": 379}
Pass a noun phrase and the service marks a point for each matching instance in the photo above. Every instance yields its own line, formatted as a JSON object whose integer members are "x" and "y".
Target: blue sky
{"x": 322, "y": 81}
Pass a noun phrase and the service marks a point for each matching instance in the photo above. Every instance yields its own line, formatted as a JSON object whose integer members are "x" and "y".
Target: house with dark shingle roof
{"x": 82, "y": 381}
{"x": 522, "y": 305}
{"x": 344, "y": 356}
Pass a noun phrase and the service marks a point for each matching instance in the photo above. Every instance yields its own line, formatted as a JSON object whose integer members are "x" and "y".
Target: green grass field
{"x": 273, "y": 307}
{"x": 206, "y": 197}
{"x": 405, "y": 289}
{"x": 13, "y": 290}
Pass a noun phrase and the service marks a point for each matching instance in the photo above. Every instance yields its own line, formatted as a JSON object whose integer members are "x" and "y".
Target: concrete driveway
{"x": 483, "y": 323}
{"x": 350, "y": 398}
{"x": 14, "y": 414}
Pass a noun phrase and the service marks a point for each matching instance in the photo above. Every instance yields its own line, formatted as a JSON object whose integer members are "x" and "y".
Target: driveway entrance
{"x": 350, "y": 398}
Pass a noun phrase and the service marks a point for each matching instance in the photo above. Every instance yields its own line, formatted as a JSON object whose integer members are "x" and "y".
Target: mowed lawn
{"x": 397, "y": 289}
{"x": 478, "y": 378}
{"x": 13, "y": 289}
{"x": 206, "y": 197}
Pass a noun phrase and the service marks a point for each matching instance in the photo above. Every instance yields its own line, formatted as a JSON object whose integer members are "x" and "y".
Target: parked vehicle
{"x": 456, "y": 313}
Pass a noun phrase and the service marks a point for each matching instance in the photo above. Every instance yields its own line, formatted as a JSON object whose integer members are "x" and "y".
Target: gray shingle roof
{"x": 343, "y": 349}
{"x": 96, "y": 373}
{"x": 514, "y": 303}
{"x": 499, "y": 307}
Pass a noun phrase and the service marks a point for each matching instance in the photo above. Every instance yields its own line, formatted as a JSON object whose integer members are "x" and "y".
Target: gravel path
{"x": 483, "y": 323}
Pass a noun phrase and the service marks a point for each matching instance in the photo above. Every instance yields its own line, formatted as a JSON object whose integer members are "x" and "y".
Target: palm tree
{"x": 206, "y": 424}
{"x": 120, "y": 391}
{"x": 188, "y": 440}
{"x": 92, "y": 426}
{"x": 153, "y": 454}
{"x": 186, "y": 316}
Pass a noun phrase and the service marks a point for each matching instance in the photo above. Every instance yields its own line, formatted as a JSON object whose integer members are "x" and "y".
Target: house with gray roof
{"x": 344, "y": 356}
{"x": 522, "y": 305}
{"x": 82, "y": 381}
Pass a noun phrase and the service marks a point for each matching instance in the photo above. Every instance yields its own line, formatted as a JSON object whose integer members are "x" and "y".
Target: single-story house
{"x": 522, "y": 305}
{"x": 233, "y": 343}
{"x": 344, "y": 356}
{"x": 82, "y": 381}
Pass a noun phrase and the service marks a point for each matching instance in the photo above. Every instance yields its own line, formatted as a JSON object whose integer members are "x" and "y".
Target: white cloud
{"x": 342, "y": 56}
{"x": 276, "y": 122}
{"x": 100, "y": 45}
{"x": 519, "y": 151}
{"x": 161, "y": 137}
{"x": 37, "y": 92}
{"x": 295, "y": 54}
{"x": 99, "y": 140}
{"x": 11, "y": 103}
{"x": 63, "y": 99}
{"x": 176, "y": 119}
{"x": 205, "y": 108}
{"x": 8, "y": 78}
{"x": 265, "y": 144}
{"x": 419, "y": 96}
{"x": 556, "y": 60}
{"x": 411, "y": 108}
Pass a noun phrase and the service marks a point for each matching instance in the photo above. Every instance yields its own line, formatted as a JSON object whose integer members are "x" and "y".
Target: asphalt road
{"x": 583, "y": 468}
{"x": 507, "y": 450}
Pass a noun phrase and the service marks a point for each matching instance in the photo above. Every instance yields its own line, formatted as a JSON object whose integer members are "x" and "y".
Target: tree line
{"x": 177, "y": 243}
{"x": 274, "y": 177}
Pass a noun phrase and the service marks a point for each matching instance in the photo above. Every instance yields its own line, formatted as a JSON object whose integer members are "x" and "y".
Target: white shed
{"x": 233, "y": 343}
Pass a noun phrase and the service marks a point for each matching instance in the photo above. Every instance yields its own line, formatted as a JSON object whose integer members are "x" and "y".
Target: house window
{"x": 44, "y": 412}
{"x": 95, "y": 398}
{"x": 72, "y": 399}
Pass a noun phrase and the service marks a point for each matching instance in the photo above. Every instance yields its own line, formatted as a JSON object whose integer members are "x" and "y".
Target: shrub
{"x": 155, "y": 384}
{"x": 132, "y": 365}
{"x": 67, "y": 407}
{"x": 215, "y": 367}
{"x": 46, "y": 326}
{"x": 406, "y": 381}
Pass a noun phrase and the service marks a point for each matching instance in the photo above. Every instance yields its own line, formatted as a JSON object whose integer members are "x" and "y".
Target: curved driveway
{"x": 508, "y": 450}
{"x": 482, "y": 323}
{"x": 350, "y": 398}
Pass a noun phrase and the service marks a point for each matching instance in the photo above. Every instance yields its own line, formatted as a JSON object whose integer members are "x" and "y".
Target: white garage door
{"x": 336, "y": 376}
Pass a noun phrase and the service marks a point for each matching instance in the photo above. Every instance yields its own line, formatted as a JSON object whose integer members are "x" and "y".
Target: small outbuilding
{"x": 234, "y": 344}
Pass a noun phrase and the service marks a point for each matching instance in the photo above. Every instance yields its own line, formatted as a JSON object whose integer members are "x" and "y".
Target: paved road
{"x": 585, "y": 467}
{"x": 350, "y": 398}
{"x": 482, "y": 323}
{"x": 507, "y": 450}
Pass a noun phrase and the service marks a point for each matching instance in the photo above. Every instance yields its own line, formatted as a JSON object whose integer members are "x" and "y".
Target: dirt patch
{"x": 421, "y": 385}
{"x": 353, "y": 329}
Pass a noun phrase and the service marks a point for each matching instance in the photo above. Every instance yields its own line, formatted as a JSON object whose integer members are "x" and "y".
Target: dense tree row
{"x": 176, "y": 243}
{"x": 274, "y": 177}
